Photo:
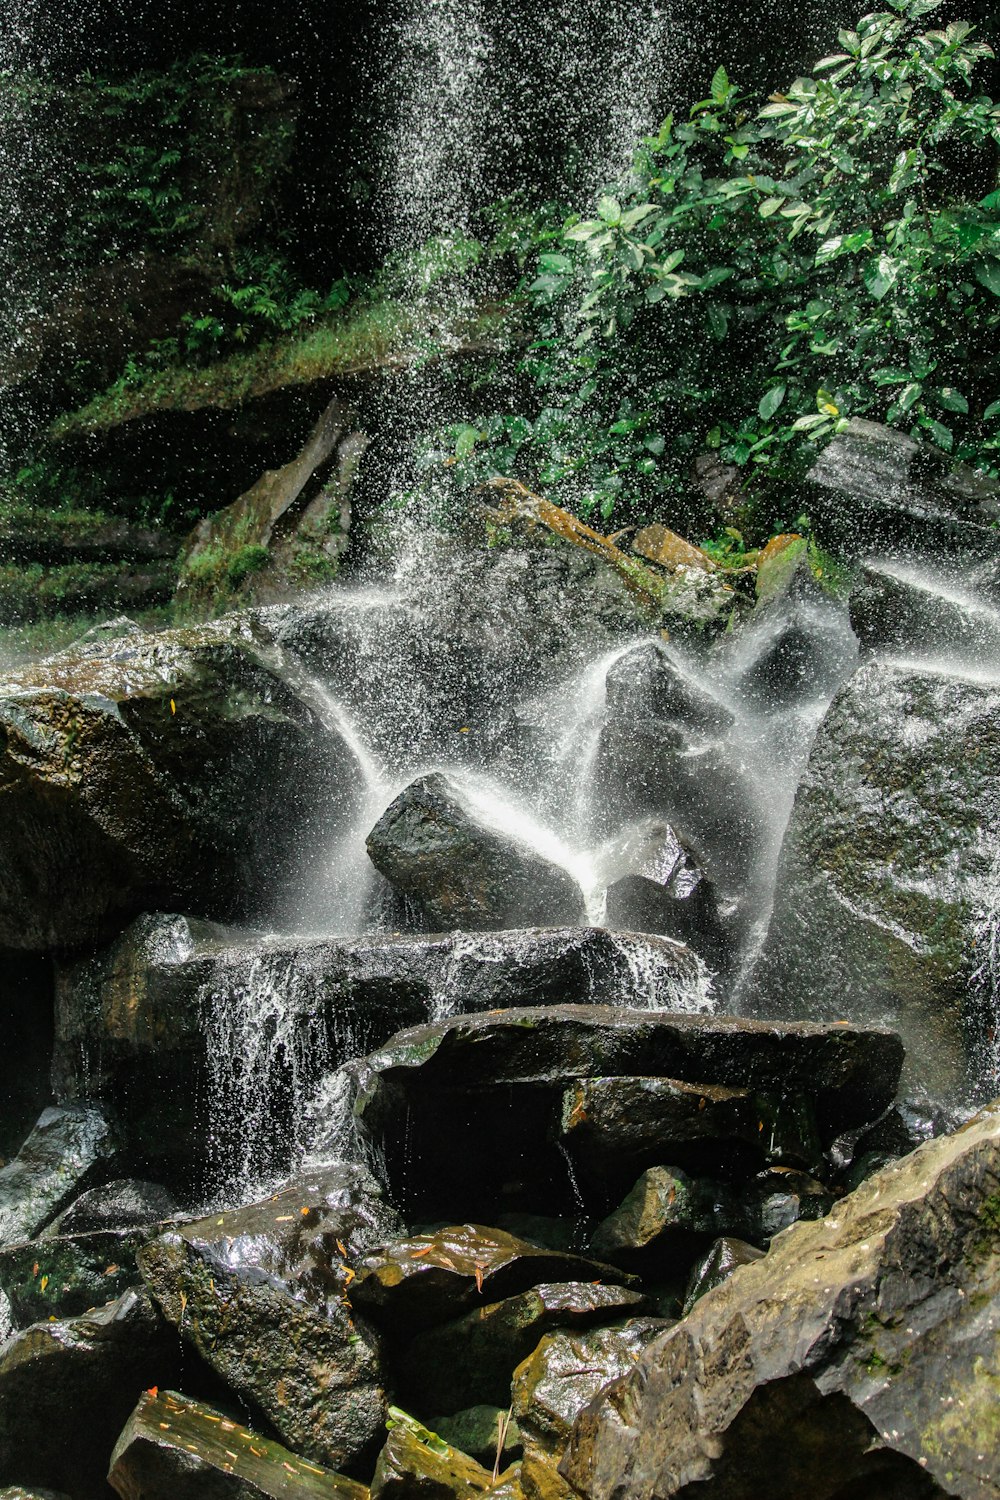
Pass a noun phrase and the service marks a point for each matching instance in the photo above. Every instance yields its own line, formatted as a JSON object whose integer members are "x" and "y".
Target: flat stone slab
{"x": 174, "y": 1448}
{"x": 431, "y": 1278}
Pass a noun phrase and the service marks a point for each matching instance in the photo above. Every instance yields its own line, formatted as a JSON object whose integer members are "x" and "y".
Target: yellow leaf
{"x": 44, "y": 1282}
{"x": 173, "y": 706}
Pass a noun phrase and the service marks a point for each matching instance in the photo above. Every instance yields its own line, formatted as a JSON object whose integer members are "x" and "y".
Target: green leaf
{"x": 943, "y": 436}
{"x": 720, "y": 89}
{"x": 880, "y": 276}
{"x": 951, "y": 399}
{"x": 831, "y": 61}
{"x": 993, "y": 410}
{"x": 769, "y": 206}
{"x": 718, "y": 320}
{"x": 636, "y": 215}
{"x": 890, "y": 375}
{"x": 770, "y": 402}
{"x": 988, "y": 274}
{"x": 610, "y": 210}
{"x": 909, "y": 396}
{"x": 584, "y": 230}
{"x": 655, "y": 443}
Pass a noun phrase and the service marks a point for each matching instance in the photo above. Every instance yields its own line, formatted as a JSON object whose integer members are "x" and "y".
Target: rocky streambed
{"x": 409, "y": 1086}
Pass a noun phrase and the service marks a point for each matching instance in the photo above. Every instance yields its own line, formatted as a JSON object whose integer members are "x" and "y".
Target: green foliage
{"x": 147, "y": 162}
{"x": 250, "y": 559}
{"x": 766, "y": 273}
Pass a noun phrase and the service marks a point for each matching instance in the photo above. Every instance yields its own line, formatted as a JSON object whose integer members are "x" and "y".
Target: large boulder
{"x": 177, "y": 1010}
{"x": 70, "y": 1148}
{"x": 873, "y": 486}
{"x": 178, "y": 769}
{"x": 860, "y": 1356}
{"x": 885, "y": 909}
{"x": 898, "y": 605}
{"x": 174, "y": 1448}
{"x": 436, "y": 846}
{"x": 67, "y": 1387}
{"x": 259, "y": 1292}
{"x": 498, "y": 1083}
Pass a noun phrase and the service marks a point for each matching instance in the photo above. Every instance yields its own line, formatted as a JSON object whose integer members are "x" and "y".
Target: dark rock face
{"x": 473, "y": 1358}
{"x": 170, "y": 770}
{"x": 885, "y": 888}
{"x": 434, "y": 847}
{"x": 414, "y": 1283}
{"x": 900, "y": 606}
{"x": 859, "y": 1356}
{"x": 498, "y": 1083}
{"x": 69, "y": 1147}
{"x": 722, "y": 1259}
{"x": 126, "y": 1204}
{"x": 683, "y": 906}
{"x": 174, "y": 1448}
{"x": 614, "y": 1128}
{"x": 482, "y": 1432}
{"x": 303, "y": 506}
{"x": 664, "y": 1221}
{"x": 138, "y": 1022}
{"x": 66, "y": 1390}
{"x": 647, "y": 685}
{"x": 259, "y": 1293}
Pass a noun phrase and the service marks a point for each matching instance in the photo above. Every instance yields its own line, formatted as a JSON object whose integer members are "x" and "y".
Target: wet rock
{"x": 66, "y": 1390}
{"x": 434, "y": 846}
{"x": 416, "y": 1463}
{"x": 486, "y": 1433}
{"x": 568, "y": 1369}
{"x": 65, "y": 1275}
{"x": 614, "y": 1128}
{"x": 682, "y": 905}
{"x": 128, "y": 1203}
{"x": 177, "y": 769}
{"x": 717, "y": 1265}
{"x": 923, "y": 609}
{"x": 497, "y": 1082}
{"x": 790, "y": 667}
{"x": 885, "y": 899}
{"x": 26, "y": 1003}
{"x": 137, "y": 1023}
{"x": 649, "y": 685}
{"x": 259, "y": 1292}
{"x": 18, "y": 1492}
{"x": 874, "y": 487}
{"x": 70, "y": 1146}
{"x": 859, "y": 1356}
{"x": 174, "y": 1448}
{"x": 411, "y": 1284}
{"x": 784, "y": 571}
{"x": 665, "y": 1220}
{"x": 473, "y": 1358}
{"x": 782, "y": 1198}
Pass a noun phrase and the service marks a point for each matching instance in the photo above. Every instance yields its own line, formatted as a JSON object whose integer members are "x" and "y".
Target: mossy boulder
{"x": 177, "y": 770}
{"x": 886, "y": 898}
{"x": 860, "y": 1356}
{"x": 260, "y": 1294}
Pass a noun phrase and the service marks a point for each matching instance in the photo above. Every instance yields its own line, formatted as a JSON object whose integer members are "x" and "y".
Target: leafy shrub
{"x": 767, "y": 272}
